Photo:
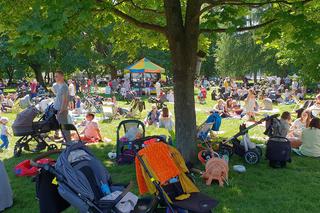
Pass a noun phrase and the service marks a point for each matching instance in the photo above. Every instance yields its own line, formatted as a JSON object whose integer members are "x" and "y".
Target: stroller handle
{"x": 33, "y": 162}
{"x": 243, "y": 131}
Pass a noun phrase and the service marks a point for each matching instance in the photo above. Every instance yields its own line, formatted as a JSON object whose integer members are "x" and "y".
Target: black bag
{"x": 278, "y": 152}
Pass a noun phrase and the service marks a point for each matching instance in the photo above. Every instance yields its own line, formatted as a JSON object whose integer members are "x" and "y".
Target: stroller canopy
{"x": 23, "y": 121}
{"x": 165, "y": 162}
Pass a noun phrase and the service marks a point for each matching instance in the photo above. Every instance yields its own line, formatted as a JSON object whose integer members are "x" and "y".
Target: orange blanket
{"x": 157, "y": 157}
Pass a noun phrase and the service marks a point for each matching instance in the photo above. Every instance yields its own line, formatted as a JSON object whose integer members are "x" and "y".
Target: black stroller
{"x": 79, "y": 179}
{"x": 29, "y": 130}
{"x": 127, "y": 144}
{"x": 278, "y": 150}
{"x": 245, "y": 148}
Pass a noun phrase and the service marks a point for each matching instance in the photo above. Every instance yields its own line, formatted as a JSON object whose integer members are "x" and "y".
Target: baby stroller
{"x": 245, "y": 148}
{"x": 127, "y": 133}
{"x": 79, "y": 179}
{"x": 28, "y": 130}
{"x": 278, "y": 150}
{"x": 130, "y": 139}
{"x": 161, "y": 170}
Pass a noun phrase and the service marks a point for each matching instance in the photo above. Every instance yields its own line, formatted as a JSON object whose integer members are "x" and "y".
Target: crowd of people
{"x": 233, "y": 99}
{"x": 242, "y": 98}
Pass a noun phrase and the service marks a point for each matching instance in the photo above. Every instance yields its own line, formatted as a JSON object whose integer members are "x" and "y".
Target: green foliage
{"x": 10, "y": 67}
{"x": 297, "y": 40}
{"x": 239, "y": 54}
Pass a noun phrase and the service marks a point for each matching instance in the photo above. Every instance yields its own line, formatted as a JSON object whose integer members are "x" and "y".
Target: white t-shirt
{"x": 157, "y": 86}
{"x": 3, "y": 129}
{"x": 295, "y": 85}
{"x": 72, "y": 91}
{"x": 297, "y": 127}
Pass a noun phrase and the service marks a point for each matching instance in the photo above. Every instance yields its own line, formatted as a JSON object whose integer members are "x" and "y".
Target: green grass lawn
{"x": 260, "y": 189}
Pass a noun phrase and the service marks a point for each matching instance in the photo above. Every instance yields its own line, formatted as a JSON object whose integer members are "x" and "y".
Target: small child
{"x": 4, "y": 133}
{"x": 91, "y": 132}
{"x": 285, "y": 121}
{"x": 78, "y": 105}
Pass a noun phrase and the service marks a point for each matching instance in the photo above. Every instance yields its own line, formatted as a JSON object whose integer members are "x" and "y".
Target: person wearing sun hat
{"x": 4, "y": 133}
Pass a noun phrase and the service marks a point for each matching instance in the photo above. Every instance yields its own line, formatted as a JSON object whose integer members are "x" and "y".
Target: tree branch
{"x": 213, "y": 3}
{"x": 145, "y": 9}
{"x": 138, "y": 23}
{"x": 240, "y": 29}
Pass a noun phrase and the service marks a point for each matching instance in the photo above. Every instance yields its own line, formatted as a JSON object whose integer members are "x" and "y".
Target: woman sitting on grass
{"x": 165, "y": 119}
{"x": 295, "y": 132}
{"x": 220, "y": 107}
{"x": 153, "y": 117}
{"x": 311, "y": 139}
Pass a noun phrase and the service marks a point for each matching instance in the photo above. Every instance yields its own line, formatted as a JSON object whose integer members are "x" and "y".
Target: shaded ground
{"x": 260, "y": 189}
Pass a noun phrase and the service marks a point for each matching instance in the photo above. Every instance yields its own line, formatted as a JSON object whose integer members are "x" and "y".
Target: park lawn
{"x": 260, "y": 189}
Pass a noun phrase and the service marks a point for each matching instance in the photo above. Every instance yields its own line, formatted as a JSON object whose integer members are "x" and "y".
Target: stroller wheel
{"x": 52, "y": 147}
{"x": 17, "y": 150}
{"x": 225, "y": 150}
{"x": 252, "y": 157}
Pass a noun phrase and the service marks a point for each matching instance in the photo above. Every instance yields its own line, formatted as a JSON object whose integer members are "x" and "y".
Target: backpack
{"x": 278, "y": 152}
{"x": 216, "y": 119}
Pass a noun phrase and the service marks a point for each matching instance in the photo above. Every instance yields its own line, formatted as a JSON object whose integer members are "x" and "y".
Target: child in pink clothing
{"x": 91, "y": 132}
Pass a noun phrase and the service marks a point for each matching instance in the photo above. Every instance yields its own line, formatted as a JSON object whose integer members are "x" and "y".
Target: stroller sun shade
{"x": 24, "y": 121}
{"x": 165, "y": 173}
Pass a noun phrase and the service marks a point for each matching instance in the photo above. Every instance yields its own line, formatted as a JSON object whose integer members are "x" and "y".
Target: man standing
{"x": 61, "y": 100}
{"x": 72, "y": 94}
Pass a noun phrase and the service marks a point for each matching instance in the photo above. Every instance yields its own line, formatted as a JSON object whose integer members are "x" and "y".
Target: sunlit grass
{"x": 260, "y": 189}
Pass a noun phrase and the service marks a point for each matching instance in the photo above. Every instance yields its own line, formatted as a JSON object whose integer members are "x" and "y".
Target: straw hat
{"x": 4, "y": 120}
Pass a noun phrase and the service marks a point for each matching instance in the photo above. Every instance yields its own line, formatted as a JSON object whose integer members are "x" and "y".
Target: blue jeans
{"x": 5, "y": 142}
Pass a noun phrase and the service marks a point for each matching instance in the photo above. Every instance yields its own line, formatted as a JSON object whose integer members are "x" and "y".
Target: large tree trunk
{"x": 37, "y": 71}
{"x": 10, "y": 74}
{"x": 183, "y": 44}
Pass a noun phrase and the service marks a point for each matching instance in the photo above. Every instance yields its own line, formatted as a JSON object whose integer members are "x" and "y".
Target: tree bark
{"x": 10, "y": 73}
{"x": 183, "y": 44}
{"x": 37, "y": 71}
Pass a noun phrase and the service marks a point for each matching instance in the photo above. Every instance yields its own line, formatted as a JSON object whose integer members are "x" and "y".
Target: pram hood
{"x": 25, "y": 118}
{"x": 68, "y": 165}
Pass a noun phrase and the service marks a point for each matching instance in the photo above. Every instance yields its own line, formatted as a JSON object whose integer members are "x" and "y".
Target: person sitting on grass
{"x": 284, "y": 127}
{"x": 4, "y": 133}
{"x": 153, "y": 117}
{"x": 311, "y": 139}
{"x": 165, "y": 119}
{"x": 315, "y": 108}
{"x": 91, "y": 132}
{"x": 295, "y": 132}
{"x": 220, "y": 107}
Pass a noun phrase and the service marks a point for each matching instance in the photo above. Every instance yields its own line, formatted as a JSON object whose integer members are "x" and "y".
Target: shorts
{"x": 71, "y": 98}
